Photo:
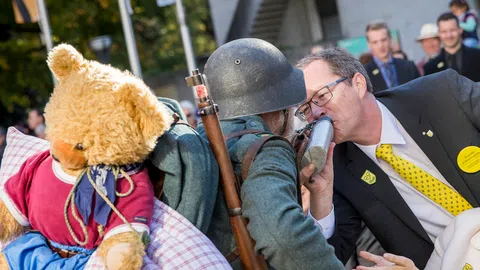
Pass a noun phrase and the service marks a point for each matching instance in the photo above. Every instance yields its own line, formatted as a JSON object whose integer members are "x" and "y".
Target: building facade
{"x": 296, "y": 25}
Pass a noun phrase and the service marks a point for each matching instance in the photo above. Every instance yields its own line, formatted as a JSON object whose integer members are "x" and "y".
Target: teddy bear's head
{"x": 98, "y": 114}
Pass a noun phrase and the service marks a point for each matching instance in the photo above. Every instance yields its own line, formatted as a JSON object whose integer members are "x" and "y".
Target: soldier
{"x": 255, "y": 87}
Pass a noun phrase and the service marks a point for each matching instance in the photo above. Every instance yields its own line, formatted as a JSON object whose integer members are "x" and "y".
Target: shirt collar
{"x": 390, "y": 133}
{"x": 456, "y": 53}
{"x": 381, "y": 63}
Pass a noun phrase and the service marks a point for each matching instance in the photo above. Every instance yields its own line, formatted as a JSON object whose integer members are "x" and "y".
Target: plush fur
{"x": 9, "y": 228}
{"x": 98, "y": 114}
{"x": 133, "y": 261}
{"x": 111, "y": 113}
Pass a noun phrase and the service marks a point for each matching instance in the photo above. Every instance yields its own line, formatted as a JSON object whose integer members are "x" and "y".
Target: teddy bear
{"x": 90, "y": 190}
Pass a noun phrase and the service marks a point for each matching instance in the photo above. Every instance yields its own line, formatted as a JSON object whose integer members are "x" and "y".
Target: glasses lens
{"x": 302, "y": 112}
{"x": 322, "y": 97}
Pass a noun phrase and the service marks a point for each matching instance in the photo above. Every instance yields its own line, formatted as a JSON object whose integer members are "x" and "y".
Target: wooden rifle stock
{"x": 208, "y": 113}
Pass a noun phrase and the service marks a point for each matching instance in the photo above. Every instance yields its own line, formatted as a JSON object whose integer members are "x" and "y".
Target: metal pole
{"x": 45, "y": 27}
{"x": 187, "y": 42}
{"x": 130, "y": 38}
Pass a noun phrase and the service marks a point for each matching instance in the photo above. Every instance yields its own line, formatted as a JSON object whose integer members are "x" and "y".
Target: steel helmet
{"x": 251, "y": 76}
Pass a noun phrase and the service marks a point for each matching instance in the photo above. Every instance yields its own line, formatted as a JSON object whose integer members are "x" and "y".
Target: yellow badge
{"x": 440, "y": 65}
{"x": 375, "y": 71}
{"x": 429, "y": 133}
{"x": 467, "y": 266}
{"x": 469, "y": 159}
{"x": 369, "y": 178}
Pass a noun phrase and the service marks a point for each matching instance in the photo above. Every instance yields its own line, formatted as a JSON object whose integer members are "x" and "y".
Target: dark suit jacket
{"x": 406, "y": 71}
{"x": 448, "y": 105}
{"x": 470, "y": 63}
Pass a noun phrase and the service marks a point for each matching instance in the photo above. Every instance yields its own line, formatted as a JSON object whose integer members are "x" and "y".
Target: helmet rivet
{"x": 237, "y": 61}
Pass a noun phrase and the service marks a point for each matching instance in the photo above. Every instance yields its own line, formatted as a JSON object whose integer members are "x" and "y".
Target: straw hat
{"x": 428, "y": 30}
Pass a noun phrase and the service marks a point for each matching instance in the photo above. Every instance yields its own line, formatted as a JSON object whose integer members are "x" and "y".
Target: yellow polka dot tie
{"x": 424, "y": 182}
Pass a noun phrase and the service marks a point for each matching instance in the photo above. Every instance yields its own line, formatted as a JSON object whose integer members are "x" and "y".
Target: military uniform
{"x": 283, "y": 234}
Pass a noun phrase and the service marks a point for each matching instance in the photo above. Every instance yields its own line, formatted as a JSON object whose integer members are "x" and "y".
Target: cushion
{"x": 175, "y": 242}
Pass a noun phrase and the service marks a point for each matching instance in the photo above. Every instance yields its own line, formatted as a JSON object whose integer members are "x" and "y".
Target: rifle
{"x": 208, "y": 112}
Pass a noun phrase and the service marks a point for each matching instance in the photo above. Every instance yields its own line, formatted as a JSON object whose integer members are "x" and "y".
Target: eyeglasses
{"x": 320, "y": 98}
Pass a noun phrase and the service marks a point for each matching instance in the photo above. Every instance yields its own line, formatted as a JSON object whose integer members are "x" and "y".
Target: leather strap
{"x": 177, "y": 120}
{"x": 232, "y": 256}
{"x": 62, "y": 252}
{"x": 253, "y": 151}
{"x": 240, "y": 133}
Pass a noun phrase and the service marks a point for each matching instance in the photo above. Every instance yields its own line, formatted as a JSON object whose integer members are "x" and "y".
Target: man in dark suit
{"x": 384, "y": 70}
{"x": 454, "y": 55}
{"x": 395, "y": 162}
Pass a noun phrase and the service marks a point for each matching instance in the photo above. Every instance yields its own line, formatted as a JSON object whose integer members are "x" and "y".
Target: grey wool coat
{"x": 191, "y": 171}
{"x": 283, "y": 234}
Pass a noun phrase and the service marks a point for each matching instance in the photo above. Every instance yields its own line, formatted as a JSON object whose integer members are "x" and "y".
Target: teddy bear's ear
{"x": 63, "y": 59}
{"x": 151, "y": 116}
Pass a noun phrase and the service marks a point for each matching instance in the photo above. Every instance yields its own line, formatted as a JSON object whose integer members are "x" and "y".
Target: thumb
{"x": 307, "y": 172}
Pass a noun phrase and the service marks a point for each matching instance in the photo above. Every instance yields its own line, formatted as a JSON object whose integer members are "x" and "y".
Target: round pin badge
{"x": 469, "y": 159}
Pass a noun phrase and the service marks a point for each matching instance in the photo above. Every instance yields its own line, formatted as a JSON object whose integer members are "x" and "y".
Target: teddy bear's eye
{"x": 79, "y": 146}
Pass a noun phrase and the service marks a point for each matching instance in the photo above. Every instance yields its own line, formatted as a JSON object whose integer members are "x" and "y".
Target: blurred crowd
{"x": 446, "y": 43}
{"x": 34, "y": 125}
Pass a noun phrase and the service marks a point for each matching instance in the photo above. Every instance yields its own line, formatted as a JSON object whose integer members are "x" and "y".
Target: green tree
{"x": 25, "y": 79}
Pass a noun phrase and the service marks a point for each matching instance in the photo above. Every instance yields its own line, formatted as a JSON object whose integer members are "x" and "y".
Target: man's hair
{"x": 446, "y": 17}
{"x": 459, "y": 3}
{"x": 377, "y": 25}
{"x": 341, "y": 63}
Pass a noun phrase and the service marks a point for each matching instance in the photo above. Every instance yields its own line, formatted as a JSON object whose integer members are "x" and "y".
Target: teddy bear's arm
{"x": 9, "y": 227}
{"x": 13, "y": 207}
{"x": 122, "y": 251}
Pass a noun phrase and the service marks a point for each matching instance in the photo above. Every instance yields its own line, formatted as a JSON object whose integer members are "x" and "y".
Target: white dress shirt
{"x": 432, "y": 216}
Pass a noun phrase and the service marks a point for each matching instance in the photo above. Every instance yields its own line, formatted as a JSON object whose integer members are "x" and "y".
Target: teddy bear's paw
{"x": 123, "y": 251}
{"x": 3, "y": 262}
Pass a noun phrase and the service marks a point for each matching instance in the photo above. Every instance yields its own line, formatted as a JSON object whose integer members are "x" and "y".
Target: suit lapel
{"x": 441, "y": 63}
{"x": 466, "y": 58}
{"x": 377, "y": 78}
{"x": 417, "y": 127}
{"x": 383, "y": 188}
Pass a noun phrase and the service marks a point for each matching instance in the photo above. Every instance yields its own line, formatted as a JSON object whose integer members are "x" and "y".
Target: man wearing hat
{"x": 430, "y": 44}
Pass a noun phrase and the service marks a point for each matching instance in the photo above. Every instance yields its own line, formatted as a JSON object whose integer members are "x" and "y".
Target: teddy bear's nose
{"x": 67, "y": 155}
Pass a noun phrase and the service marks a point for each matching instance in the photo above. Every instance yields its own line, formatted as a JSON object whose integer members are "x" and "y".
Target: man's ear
{"x": 63, "y": 59}
{"x": 150, "y": 116}
{"x": 360, "y": 83}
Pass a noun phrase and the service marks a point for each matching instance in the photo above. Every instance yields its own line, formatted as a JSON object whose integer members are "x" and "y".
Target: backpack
{"x": 184, "y": 171}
